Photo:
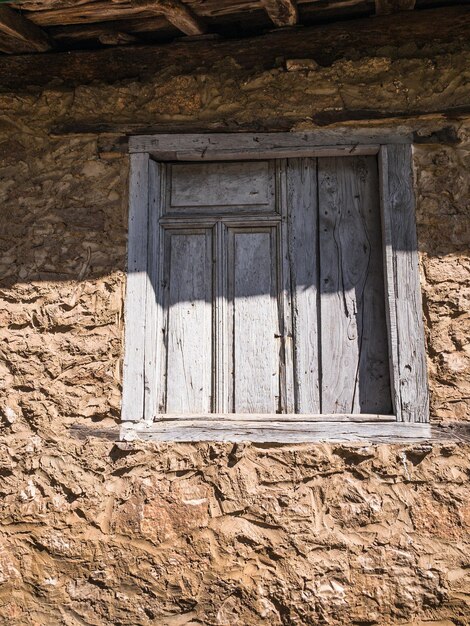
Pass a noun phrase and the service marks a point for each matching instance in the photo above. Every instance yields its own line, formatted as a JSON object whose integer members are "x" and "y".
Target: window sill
{"x": 429, "y": 434}
{"x": 278, "y": 429}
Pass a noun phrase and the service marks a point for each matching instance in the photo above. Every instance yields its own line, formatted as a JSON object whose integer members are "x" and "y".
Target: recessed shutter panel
{"x": 253, "y": 309}
{"x": 220, "y": 188}
{"x": 188, "y": 327}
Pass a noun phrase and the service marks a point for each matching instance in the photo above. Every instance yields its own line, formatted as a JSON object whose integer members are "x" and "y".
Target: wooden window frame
{"x": 401, "y": 279}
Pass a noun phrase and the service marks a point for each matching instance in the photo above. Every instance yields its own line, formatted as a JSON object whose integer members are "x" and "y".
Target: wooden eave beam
{"x": 178, "y": 14}
{"x": 386, "y": 7}
{"x": 14, "y": 25}
{"x": 281, "y": 12}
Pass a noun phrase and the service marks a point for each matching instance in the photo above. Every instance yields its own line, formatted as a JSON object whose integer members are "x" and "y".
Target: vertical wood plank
{"x": 134, "y": 355}
{"x": 189, "y": 322}
{"x": 161, "y": 292}
{"x": 338, "y": 304}
{"x": 375, "y": 394}
{"x": 389, "y": 282}
{"x": 303, "y": 252}
{"x": 403, "y": 285}
{"x": 154, "y": 297}
{"x": 221, "y": 336}
{"x": 255, "y": 323}
{"x": 287, "y": 377}
{"x": 355, "y": 374}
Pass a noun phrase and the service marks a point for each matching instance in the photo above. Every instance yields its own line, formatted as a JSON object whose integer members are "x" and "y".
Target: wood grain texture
{"x": 281, "y": 432}
{"x": 453, "y": 432}
{"x": 96, "y": 11}
{"x": 281, "y": 12}
{"x": 178, "y": 14}
{"x": 302, "y": 203}
{"x": 199, "y": 196}
{"x": 89, "y": 13}
{"x": 255, "y": 332}
{"x": 153, "y": 353}
{"x": 374, "y": 372}
{"x": 343, "y": 271}
{"x": 285, "y": 296}
{"x": 389, "y": 283}
{"x": 354, "y": 364}
{"x": 20, "y": 28}
{"x": 222, "y": 373}
{"x": 137, "y": 289}
{"x": 403, "y": 286}
{"x": 221, "y": 187}
{"x": 247, "y": 146}
{"x": 188, "y": 305}
{"x": 282, "y": 418}
{"x": 128, "y": 27}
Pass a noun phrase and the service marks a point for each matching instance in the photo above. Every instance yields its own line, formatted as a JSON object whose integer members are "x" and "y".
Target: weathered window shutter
{"x": 221, "y": 290}
{"x": 354, "y": 352}
{"x": 253, "y": 330}
{"x": 274, "y": 287}
{"x": 187, "y": 327}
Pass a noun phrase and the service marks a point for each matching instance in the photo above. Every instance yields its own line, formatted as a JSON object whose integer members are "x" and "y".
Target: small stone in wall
{"x": 296, "y": 65}
{"x": 9, "y": 415}
{"x": 93, "y": 169}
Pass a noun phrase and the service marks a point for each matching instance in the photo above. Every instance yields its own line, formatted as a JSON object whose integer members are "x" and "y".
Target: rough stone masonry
{"x": 102, "y": 533}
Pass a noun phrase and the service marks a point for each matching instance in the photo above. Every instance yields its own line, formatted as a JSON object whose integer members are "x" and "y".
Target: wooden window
{"x": 273, "y": 293}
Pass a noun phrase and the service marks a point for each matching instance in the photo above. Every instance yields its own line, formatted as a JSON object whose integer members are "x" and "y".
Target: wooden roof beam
{"x": 386, "y": 7}
{"x": 178, "y": 14}
{"x": 281, "y": 12}
{"x": 17, "y": 27}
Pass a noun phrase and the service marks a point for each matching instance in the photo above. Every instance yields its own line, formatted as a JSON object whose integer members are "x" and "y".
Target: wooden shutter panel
{"x": 220, "y": 188}
{"x": 354, "y": 354}
{"x": 335, "y": 244}
{"x": 188, "y": 325}
{"x": 221, "y": 335}
{"x": 254, "y": 334}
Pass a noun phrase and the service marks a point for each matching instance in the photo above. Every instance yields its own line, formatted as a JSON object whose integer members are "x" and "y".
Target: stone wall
{"x": 98, "y": 532}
